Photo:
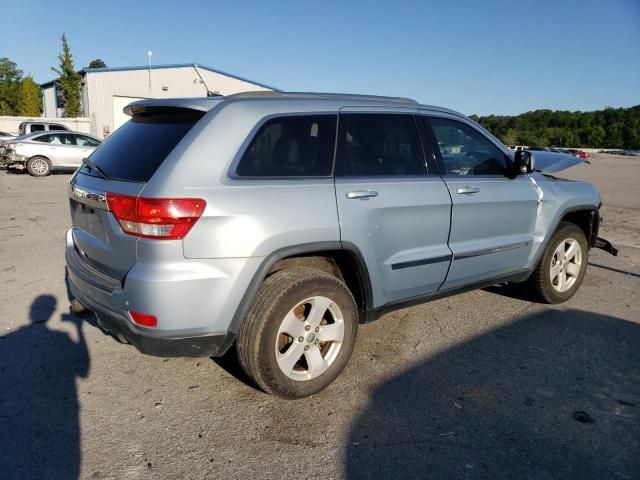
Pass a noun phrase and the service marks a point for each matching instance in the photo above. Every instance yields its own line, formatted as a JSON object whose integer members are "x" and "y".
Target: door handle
{"x": 362, "y": 194}
{"x": 467, "y": 190}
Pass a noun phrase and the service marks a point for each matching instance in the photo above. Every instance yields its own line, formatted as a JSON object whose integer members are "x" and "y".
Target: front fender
{"x": 559, "y": 198}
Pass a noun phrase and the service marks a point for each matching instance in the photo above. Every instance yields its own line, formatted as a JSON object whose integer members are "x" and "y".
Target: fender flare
{"x": 556, "y": 222}
{"x": 307, "y": 248}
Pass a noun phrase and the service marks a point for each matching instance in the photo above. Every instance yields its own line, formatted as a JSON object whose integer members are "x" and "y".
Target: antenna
{"x": 209, "y": 92}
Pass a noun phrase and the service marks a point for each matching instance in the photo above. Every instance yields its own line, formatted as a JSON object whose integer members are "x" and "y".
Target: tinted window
{"x": 136, "y": 150}
{"x": 465, "y": 151}
{"x": 56, "y": 139}
{"x": 66, "y": 138}
{"x": 37, "y": 127}
{"x": 378, "y": 145}
{"x": 57, "y": 127}
{"x": 297, "y": 146}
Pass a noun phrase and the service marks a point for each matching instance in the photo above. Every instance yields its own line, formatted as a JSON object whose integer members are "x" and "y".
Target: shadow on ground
{"x": 39, "y": 408}
{"x": 553, "y": 395}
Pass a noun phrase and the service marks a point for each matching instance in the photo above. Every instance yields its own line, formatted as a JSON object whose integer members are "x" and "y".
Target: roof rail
{"x": 317, "y": 95}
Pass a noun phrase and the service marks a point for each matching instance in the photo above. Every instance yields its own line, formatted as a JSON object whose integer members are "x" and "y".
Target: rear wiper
{"x": 93, "y": 166}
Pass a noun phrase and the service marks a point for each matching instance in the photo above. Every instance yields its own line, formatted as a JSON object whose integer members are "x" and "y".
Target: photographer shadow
{"x": 39, "y": 407}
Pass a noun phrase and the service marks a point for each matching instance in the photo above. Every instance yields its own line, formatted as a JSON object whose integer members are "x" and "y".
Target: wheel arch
{"x": 586, "y": 217}
{"x": 342, "y": 259}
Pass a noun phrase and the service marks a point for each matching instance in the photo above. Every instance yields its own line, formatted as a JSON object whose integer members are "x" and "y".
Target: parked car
{"x": 42, "y": 152}
{"x": 277, "y": 222}
{"x": 28, "y": 127}
{"x": 577, "y": 153}
{"x": 5, "y": 136}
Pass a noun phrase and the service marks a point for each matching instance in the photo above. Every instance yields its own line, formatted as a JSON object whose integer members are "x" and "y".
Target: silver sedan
{"x": 42, "y": 152}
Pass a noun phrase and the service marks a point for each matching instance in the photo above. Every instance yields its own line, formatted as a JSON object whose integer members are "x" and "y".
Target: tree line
{"x": 22, "y": 96}
{"x": 608, "y": 128}
{"x": 18, "y": 95}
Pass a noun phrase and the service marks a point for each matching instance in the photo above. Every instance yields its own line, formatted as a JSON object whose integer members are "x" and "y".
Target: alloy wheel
{"x": 309, "y": 338}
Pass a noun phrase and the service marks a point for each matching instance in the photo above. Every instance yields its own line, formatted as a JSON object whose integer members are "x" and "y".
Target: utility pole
{"x": 149, "y": 53}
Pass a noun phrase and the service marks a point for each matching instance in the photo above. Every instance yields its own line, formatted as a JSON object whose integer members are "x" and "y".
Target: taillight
{"x": 160, "y": 218}
{"x": 144, "y": 319}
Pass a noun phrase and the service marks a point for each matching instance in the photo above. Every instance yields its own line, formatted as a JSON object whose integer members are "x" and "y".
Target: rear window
{"x": 134, "y": 152}
{"x": 294, "y": 146}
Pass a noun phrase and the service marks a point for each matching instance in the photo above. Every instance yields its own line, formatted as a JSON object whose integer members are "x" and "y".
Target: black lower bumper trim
{"x": 196, "y": 346}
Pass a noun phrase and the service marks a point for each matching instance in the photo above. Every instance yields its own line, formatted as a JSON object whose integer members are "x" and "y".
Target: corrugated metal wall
{"x": 165, "y": 83}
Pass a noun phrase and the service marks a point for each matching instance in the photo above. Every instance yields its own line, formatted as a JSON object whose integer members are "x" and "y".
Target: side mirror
{"x": 523, "y": 162}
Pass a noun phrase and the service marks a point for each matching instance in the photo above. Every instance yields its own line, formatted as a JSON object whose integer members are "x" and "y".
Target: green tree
{"x": 510, "y": 137}
{"x": 29, "y": 98}
{"x": 608, "y": 128}
{"x": 97, "y": 63}
{"x": 69, "y": 81}
{"x": 10, "y": 77}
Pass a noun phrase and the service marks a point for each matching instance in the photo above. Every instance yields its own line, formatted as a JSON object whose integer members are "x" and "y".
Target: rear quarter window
{"x": 291, "y": 146}
{"x": 136, "y": 150}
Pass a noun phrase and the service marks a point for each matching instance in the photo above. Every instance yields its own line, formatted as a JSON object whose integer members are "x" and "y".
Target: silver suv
{"x": 279, "y": 221}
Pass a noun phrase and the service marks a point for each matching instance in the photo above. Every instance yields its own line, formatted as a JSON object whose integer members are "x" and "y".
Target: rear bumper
{"x": 194, "y": 311}
{"x": 201, "y": 345}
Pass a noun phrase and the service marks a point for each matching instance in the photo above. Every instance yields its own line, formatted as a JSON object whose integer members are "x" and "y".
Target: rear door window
{"x": 42, "y": 138}
{"x": 378, "y": 145}
{"x": 134, "y": 152}
{"x": 57, "y": 127}
{"x": 66, "y": 138}
{"x": 293, "y": 146}
{"x": 37, "y": 127}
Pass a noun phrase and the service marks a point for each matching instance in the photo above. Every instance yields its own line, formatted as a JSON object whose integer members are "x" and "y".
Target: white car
{"x": 42, "y": 152}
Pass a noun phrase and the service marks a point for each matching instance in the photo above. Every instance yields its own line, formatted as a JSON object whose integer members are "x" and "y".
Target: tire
{"x": 292, "y": 308}
{"x": 39, "y": 166}
{"x": 554, "y": 290}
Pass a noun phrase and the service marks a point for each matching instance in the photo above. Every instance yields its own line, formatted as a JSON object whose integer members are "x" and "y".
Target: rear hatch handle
{"x": 606, "y": 245}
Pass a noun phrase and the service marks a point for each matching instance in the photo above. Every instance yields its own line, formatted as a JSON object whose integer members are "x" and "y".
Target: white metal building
{"x": 106, "y": 91}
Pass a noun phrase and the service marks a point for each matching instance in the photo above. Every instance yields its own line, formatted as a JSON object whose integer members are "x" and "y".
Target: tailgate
{"x": 97, "y": 236}
{"x": 122, "y": 165}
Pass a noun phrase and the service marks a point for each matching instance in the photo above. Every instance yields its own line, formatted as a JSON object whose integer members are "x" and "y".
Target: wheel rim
{"x": 309, "y": 338}
{"x": 39, "y": 166}
{"x": 566, "y": 265}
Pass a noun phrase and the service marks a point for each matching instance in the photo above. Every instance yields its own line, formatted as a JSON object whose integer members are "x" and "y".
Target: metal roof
{"x": 155, "y": 67}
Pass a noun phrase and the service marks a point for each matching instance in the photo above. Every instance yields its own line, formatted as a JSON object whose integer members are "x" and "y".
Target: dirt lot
{"x": 481, "y": 385}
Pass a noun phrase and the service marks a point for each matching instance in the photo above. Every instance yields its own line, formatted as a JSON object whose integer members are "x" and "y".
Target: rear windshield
{"x": 134, "y": 152}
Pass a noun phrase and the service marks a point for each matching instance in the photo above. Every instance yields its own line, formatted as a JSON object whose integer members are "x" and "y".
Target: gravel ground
{"x": 480, "y": 385}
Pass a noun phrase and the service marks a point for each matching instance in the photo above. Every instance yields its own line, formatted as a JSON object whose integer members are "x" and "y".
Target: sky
{"x": 482, "y": 57}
